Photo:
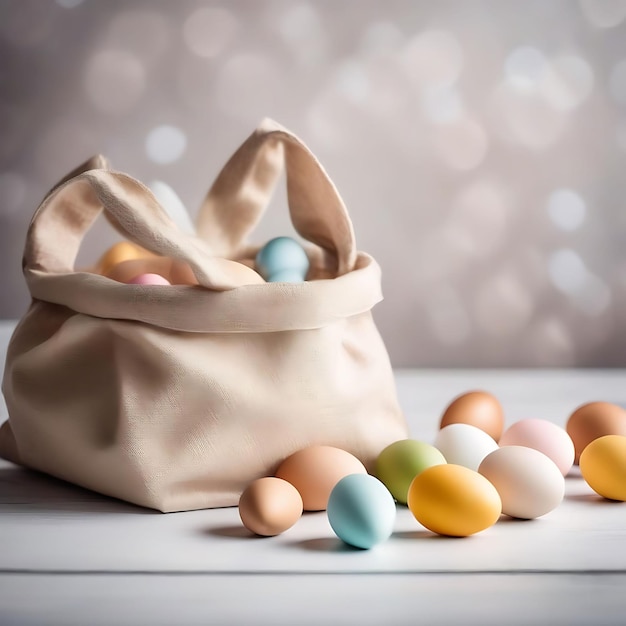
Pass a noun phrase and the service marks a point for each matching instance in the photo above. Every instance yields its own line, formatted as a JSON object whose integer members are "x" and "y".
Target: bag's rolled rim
{"x": 267, "y": 307}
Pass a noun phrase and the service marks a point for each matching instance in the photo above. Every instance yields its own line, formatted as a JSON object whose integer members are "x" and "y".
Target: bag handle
{"x": 241, "y": 192}
{"x": 96, "y": 162}
{"x": 66, "y": 214}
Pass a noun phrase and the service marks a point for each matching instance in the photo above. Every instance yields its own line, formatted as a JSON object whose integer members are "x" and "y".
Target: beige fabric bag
{"x": 175, "y": 398}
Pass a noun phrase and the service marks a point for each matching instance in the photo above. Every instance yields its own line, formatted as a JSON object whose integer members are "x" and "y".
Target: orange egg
{"x": 476, "y": 408}
{"x": 453, "y": 500}
{"x": 593, "y": 420}
{"x": 176, "y": 272}
{"x": 180, "y": 273}
{"x": 314, "y": 472}
{"x": 120, "y": 252}
{"x": 270, "y": 506}
{"x": 239, "y": 273}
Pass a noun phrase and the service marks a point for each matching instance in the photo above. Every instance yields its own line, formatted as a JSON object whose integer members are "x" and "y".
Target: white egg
{"x": 529, "y": 483}
{"x": 462, "y": 444}
{"x": 174, "y": 206}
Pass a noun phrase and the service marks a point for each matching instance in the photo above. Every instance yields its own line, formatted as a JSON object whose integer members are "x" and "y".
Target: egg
{"x": 314, "y": 471}
{"x": 120, "y": 252}
{"x": 462, "y": 444}
{"x": 544, "y": 436}
{"x": 149, "y": 279}
{"x": 603, "y": 466}
{"x": 593, "y": 420}
{"x": 453, "y": 500}
{"x": 476, "y": 408}
{"x": 529, "y": 483}
{"x": 282, "y": 259}
{"x": 361, "y": 511}
{"x": 270, "y": 506}
{"x": 180, "y": 273}
{"x": 240, "y": 274}
{"x": 175, "y": 271}
{"x": 399, "y": 463}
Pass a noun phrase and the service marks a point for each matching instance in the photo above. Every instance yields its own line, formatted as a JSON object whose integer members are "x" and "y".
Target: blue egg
{"x": 282, "y": 259}
{"x": 361, "y": 511}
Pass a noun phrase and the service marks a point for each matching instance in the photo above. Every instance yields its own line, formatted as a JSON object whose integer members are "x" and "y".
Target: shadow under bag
{"x": 177, "y": 397}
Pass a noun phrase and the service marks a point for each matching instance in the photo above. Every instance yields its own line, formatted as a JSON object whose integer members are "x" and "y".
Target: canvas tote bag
{"x": 177, "y": 397}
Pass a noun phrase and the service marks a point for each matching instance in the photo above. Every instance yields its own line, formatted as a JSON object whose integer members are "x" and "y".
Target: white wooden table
{"x": 69, "y": 556}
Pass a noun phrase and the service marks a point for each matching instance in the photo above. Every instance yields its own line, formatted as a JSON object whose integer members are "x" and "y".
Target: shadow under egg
{"x": 325, "y": 544}
{"x": 231, "y": 532}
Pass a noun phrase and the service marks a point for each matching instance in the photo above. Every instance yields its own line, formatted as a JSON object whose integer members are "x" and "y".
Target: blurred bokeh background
{"x": 480, "y": 146}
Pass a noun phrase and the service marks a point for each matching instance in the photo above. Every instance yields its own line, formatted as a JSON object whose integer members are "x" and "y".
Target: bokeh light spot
{"x": 566, "y": 209}
{"x": 300, "y": 26}
{"x": 433, "y": 58}
{"x": 380, "y": 38}
{"x": 208, "y": 30}
{"x": 442, "y": 105}
{"x": 352, "y": 81}
{"x": 114, "y": 80}
{"x": 593, "y": 297}
{"x": 567, "y": 270}
{"x": 604, "y": 13}
{"x": 478, "y": 218}
{"x": 503, "y": 305}
{"x": 165, "y": 144}
{"x": 248, "y": 86}
{"x": 462, "y": 145}
{"x": 524, "y": 68}
{"x": 567, "y": 83}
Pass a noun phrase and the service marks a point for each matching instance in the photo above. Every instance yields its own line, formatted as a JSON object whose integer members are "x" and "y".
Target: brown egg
{"x": 270, "y": 506}
{"x": 476, "y": 408}
{"x": 314, "y": 471}
{"x": 593, "y": 420}
{"x": 120, "y": 252}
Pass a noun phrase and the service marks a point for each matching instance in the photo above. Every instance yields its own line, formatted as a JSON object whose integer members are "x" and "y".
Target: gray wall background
{"x": 480, "y": 146}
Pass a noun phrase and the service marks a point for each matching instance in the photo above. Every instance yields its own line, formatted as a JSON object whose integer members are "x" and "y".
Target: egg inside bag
{"x": 119, "y": 253}
{"x": 282, "y": 259}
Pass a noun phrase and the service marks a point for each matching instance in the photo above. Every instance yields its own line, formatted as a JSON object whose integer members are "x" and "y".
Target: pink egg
{"x": 149, "y": 279}
{"x": 544, "y": 436}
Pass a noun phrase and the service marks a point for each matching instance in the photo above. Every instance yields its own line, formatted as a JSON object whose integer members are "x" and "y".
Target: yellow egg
{"x": 603, "y": 466}
{"x": 270, "y": 506}
{"x": 454, "y": 500}
{"x": 121, "y": 251}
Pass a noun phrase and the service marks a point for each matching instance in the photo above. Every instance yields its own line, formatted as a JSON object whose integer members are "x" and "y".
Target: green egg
{"x": 399, "y": 463}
